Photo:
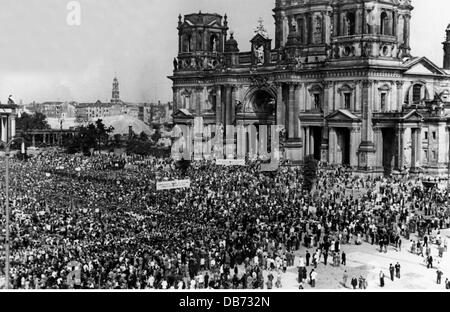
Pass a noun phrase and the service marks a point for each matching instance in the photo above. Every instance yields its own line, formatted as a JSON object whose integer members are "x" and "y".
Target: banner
{"x": 171, "y": 185}
{"x": 269, "y": 167}
{"x": 230, "y": 162}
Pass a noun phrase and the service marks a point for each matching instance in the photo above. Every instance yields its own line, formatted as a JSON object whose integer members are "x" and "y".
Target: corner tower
{"x": 446, "y": 44}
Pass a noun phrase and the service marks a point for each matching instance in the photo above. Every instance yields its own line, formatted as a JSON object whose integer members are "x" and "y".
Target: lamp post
{"x": 7, "y": 251}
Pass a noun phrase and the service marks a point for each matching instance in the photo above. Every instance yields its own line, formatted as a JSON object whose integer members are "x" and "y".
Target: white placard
{"x": 171, "y": 185}
{"x": 230, "y": 162}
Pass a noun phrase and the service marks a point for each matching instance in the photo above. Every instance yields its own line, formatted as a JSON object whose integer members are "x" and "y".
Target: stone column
{"x": 219, "y": 117}
{"x": 5, "y": 129}
{"x": 311, "y": 141}
{"x": 13, "y": 126}
{"x": 332, "y": 146}
{"x": 400, "y": 134}
{"x": 33, "y": 140}
{"x": 307, "y": 141}
{"x": 419, "y": 147}
{"x": 400, "y": 99}
{"x": 297, "y": 112}
{"x": 234, "y": 96}
{"x": 406, "y": 33}
{"x": 413, "y": 148}
{"x": 291, "y": 109}
{"x": 354, "y": 142}
{"x": 228, "y": 98}
{"x": 367, "y": 147}
{"x": 379, "y": 147}
{"x": 280, "y": 105}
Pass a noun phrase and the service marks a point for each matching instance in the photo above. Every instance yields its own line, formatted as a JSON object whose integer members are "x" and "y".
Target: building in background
{"x": 340, "y": 79}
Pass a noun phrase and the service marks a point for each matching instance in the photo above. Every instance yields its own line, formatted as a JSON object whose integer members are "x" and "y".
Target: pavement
{"x": 368, "y": 261}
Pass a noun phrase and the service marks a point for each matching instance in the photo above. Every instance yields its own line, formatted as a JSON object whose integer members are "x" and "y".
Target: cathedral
{"x": 339, "y": 76}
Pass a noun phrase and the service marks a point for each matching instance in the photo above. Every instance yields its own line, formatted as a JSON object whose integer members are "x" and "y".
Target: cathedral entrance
{"x": 316, "y": 133}
{"x": 388, "y": 150}
{"x": 343, "y": 146}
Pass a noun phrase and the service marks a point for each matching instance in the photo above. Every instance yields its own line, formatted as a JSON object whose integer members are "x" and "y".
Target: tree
{"x": 143, "y": 137}
{"x": 37, "y": 121}
{"x": 156, "y": 136}
{"x": 93, "y": 136}
{"x": 309, "y": 173}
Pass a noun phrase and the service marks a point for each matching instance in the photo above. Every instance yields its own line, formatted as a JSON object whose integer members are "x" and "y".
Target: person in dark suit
{"x": 325, "y": 257}
{"x": 344, "y": 258}
{"x": 391, "y": 271}
{"x": 397, "y": 270}
{"x": 381, "y": 279}
{"x": 308, "y": 256}
{"x": 354, "y": 282}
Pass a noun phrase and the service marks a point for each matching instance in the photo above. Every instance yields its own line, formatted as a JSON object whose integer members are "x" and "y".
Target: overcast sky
{"x": 42, "y": 58}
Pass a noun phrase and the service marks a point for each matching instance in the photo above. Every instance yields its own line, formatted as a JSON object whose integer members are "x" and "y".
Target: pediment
{"x": 423, "y": 66}
{"x": 259, "y": 39}
{"x": 414, "y": 116}
{"x": 343, "y": 115}
{"x": 183, "y": 113}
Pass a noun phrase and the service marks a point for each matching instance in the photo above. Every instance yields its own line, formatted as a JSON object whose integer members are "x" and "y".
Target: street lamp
{"x": 7, "y": 251}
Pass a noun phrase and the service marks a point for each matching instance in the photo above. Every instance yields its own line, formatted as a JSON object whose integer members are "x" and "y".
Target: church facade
{"x": 339, "y": 76}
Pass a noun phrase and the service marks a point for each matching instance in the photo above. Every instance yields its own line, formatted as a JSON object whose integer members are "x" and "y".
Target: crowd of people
{"x": 85, "y": 222}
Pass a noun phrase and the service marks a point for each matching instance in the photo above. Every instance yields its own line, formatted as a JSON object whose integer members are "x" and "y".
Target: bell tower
{"x": 371, "y": 29}
{"x": 446, "y": 44}
{"x": 202, "y": 39}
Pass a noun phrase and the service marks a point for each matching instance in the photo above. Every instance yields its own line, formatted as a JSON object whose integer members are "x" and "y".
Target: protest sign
{"x": 230, "y": 162}
{"x": 171, "y": 185}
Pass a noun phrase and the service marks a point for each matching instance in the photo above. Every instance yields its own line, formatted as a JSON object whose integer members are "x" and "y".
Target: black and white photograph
{"x": 202, "y": 146}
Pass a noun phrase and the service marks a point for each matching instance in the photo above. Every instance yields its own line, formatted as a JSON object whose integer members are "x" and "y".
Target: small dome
{"x": 231, "y": 45}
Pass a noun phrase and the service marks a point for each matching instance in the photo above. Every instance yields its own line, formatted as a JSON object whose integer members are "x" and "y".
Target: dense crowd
{"x": 99, "y": 222}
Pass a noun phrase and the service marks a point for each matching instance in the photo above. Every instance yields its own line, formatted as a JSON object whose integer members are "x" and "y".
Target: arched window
{"x": 213, "y": 43}
{"x": 350, "y": 24}
{"x": 417, "y": 93}
{"x": 199, "y": 41}
{"x": 384, "y": 24}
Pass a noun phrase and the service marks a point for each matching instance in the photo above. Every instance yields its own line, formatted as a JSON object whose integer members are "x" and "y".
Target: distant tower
{"x": 115, "y": 92}
{"x": 446, "y": 44}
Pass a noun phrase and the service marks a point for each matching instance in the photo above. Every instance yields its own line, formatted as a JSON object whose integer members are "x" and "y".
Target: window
{"x": 383, "y": 102}
{"x": 317, "y": 103}
{"x": 350, "y": 24}
{"x": 434, "y": 155}
{"x": 426, "y": 135}
{"x": 384, "y": 23}
{"x": 426, "y": 156}
{"x": 417, "y": 93}
{"x": 301, "y": 30}
{"x": 347, "y": 100}
{"x": 434, "y": 135}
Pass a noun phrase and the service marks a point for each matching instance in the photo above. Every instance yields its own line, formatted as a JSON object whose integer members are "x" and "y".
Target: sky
{"x": 43, "y": 58}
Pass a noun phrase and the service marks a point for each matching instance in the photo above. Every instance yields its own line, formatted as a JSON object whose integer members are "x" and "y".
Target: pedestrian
{"x": 429, "y": 262}
{"x": 325, "y": 257}
{"x": 391, "y": 271}
{"x": 344, "y": 258}
{"x": 308, "y": 256}
{"x": 397, "y": 270}
{"x": 354, "y": 282}
{"x": 381, "y": 279}
{"x": 439, "y": 276}
{"x": 345, "y": 278}
{"x": 313, "y": 277}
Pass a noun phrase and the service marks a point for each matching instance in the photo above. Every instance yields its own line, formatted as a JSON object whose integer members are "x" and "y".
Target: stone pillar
{"x": 44, "y": 138}
{"x": 234, "y": 96}
{"x": 354, "y": 141}
{"x": 367, "y": 147}
{"x": 5, "y": 129}
{"x": 406, "y": 33}
{"x": 332, "y": 146}
{"x": 280, "y": 105}
{"x": 297, "y": 112}
{"x": 219, "y": 117}
{"x": 413, "y": 148}
{"x": 13, "y": 126}
{"x": 311, "y": 141}
{"x": 228, "y": 98}
{"x": 291, "y": 110}
{"x": 400, "y": 99}
{"x": 33, "y": 140}
{"x": 307, "y": 142}
{"x": 379, "y": 147}
{"x": 400, "y": 135}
